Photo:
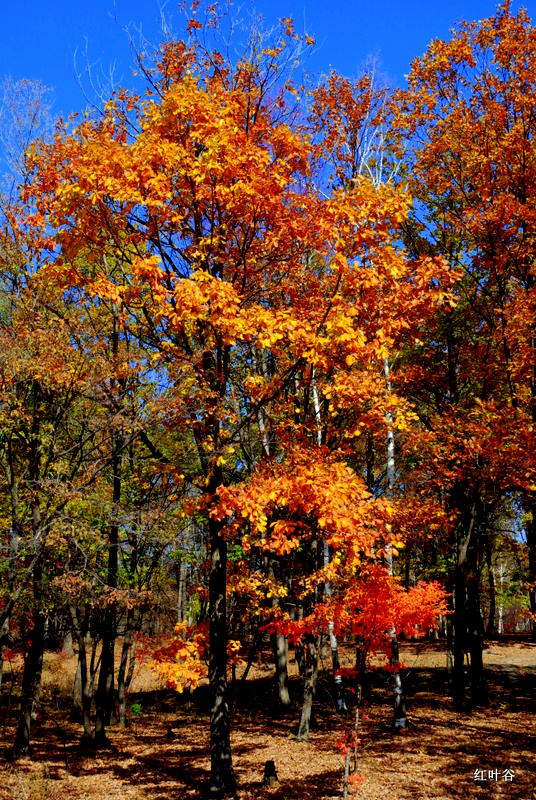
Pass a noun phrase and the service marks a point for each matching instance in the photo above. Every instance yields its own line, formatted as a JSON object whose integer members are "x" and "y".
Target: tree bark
{"x": 76, "y": 707}
{"x": 122, "y": 671}
{"x": 33, "y": 667}
{"x": 13, "y": 548}
{"x": 531, "y": 527}
{"x": 450, "y": 644}
{"x": 468, "y": 626}
{"x": 490, "y": 629}
{"x": 105, "y": 687}
{"x": 280, "y": 647}
{"x": 180, "y": 576}
{"x": 67, "y": 646}
{"x": 531, "y": 546}
{"x": 311, "y": 646}
{"x": 460, "y": 639}
{"x": 479, "y": 694}
{"x": 222, "y": 777}
{"x": 105, "y": 700}
{"x": 83, "y": 688}
{"x": 14, "y": 540}
{"x": 400, "y": 719}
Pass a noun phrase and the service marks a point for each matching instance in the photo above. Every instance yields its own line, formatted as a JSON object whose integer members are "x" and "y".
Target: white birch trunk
{"x": 400, "y": 719}
{"x": 341, "y": 704}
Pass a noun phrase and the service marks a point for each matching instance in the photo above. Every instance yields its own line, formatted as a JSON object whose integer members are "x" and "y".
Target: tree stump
{"x": 270, "y": 775}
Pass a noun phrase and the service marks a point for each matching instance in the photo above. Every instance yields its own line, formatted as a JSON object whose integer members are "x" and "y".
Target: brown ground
{"x": 164, "y": 753}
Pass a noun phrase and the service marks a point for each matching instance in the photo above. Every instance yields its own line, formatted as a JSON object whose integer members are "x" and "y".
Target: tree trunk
{"x": 311, "y": 646}
{"x": 450, "y": 647}
{"x": 400, "y": 719}
{"x": 83, "y": 689}
{"x": 105, "y": 700}
{"x": 33, "y": 667}
{"x": 76, "y": 707}
{"x": 13, "y": 548}
{"x": 104, "y": 697}
{"x": 334, "y": 647}
{"x": 3, "y": 639}
{"x": 531, "y": 527}
{"x": 132, "y": 659}
{"x": 467, "y": 618}
{"x": 279, "y": 644}
{"x": 460, "y": 640}
{"x": 337, "y": 671}
{"x": 500, "y": 622}
{"x": 479, "y": 694}
{"x": 222, "y": 778}
{"x": 490, "y": 629}
{"x": 280, "y": 647}
{"x": 530, "y": 531}
{"x": 182, "y": 595}
{"x": 122, "y": 672}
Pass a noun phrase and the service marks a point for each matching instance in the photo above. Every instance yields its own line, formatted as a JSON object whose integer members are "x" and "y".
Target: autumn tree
{"x": 469, "y": 118}
{"x": 46, "y": 448}
{"x": 231, "y": 246}
{"x": 204, "y": 206}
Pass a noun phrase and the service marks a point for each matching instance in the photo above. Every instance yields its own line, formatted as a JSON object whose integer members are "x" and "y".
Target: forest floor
{"x": 164, "y": 752}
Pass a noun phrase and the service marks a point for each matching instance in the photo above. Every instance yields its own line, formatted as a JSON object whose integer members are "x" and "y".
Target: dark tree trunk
{"x": 362, "y": 684}
{"x": 33, "y": 667}
{"x": 468, "y": 628}
{"x": 132, "y": 659}
{"x": 479, "y": 694}
{"x": 105, "y": 698}
{"x": 33, "y": 664}
{"x": 311, "y": 642}
{"x": 214, "y": 366}
{"x": 3, "y": 640}
{"x": 4, "y": 629}
{"x": 531, "y": 527}
{"x": 460, "y": 640}
{"x": 407, "y": 567}
{"x": 222, "y": 777}
{"x": 13, "y": 548}
{"x": 475, "y": 625}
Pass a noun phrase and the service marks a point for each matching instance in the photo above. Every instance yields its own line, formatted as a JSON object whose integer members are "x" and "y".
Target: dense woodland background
{"x": 268, "y": 377}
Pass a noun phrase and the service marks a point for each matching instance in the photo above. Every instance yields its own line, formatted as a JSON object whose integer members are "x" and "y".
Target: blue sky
{"x": 41, "y": 36}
